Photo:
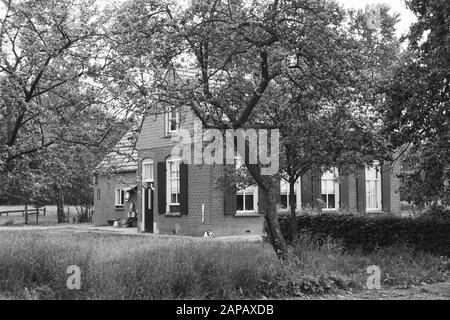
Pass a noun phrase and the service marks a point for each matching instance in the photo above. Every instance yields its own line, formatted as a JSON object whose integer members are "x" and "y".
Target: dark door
{"x": 148, "y": 210}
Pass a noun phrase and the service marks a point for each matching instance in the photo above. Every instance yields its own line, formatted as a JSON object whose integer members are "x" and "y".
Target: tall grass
{"x": 115, "y": 267}
{"x": 401, "y": 266}
{"x": 33, "y": 265}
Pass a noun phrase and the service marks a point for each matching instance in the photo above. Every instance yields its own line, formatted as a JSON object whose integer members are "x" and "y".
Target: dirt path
{"x": 436, "y": 291}
{"x": 89, "y": 228}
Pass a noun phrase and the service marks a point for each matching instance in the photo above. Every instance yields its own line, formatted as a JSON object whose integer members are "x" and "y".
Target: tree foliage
{"x": 294, "y": 64}
{"x": 56, "y": 119}
{"x": 328, "y": 124}
{"x": 416, "y": 110}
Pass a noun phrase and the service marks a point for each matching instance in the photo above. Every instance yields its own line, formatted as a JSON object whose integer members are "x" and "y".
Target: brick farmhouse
{"x": 171, "y": 197}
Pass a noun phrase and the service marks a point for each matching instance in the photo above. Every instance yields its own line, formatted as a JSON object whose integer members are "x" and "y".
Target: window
{"x": 98, "y": 193}
{"x": 147, "y": 170}
{"x": 173, "y": 185}
{"x": 246, "y": 199}
{"x": 284, "y": 194}
{"x": 119, "y": 197}
{"x": 373, "y": 187}
{"x": 172, "y": 120}
{"x": 330, "y": 189}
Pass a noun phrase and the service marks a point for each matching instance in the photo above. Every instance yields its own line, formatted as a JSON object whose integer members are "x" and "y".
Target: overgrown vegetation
{"x": 33, "y": 265}
{"x": 428, "y": 233}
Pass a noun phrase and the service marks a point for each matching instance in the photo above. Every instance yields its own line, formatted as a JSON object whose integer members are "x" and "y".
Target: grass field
{"x": 50, "y": 217}
{"x": 33, "y": 265}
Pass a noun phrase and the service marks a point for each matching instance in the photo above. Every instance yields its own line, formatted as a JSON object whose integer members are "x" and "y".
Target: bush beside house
{"x": 369, "y": 234}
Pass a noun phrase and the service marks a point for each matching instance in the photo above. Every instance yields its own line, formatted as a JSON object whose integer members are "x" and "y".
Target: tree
{"x": 237, "y": 54}
{"x": 335, "y": 124}
{"x": 62, "y": 173}
{"x": 49, "y": 53}
{"x": 416, "y": 112}
{"x": 56, "y": 115}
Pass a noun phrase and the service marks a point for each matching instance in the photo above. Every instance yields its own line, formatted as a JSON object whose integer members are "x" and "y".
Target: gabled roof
{"x": 123, "y": 157}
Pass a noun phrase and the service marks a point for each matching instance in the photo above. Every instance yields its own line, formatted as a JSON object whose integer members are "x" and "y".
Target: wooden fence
{"x": 26, "y": 213}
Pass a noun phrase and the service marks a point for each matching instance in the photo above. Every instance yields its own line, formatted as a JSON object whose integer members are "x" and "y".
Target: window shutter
{"x": 306, "y": 187}
{"x": 343, "y": 190}
{"x": 316, "y": 187}
{"x": 161, "y": 187}
{"x": 230, "y": 199}
{"x": 184, "y": 191}
{"x": 385, "y": 187}
{"x": 361, "y": 189}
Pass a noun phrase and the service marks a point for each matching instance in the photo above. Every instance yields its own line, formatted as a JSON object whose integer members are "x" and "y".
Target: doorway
{"x": 148, "y": 209}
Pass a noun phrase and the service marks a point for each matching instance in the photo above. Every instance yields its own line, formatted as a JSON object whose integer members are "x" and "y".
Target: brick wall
{"x": 394, "y": 193}
{"x": 155, "y": 145}
{"x": 352, "y": 194}
{"x": 153, "y": 134}
{"x": 104, "y": 209}
{"x": 201, "y": 191}
{"x": 395, "y": 189}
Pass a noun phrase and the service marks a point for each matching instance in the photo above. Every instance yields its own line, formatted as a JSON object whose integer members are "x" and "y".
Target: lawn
{"x": 34, "y": 264}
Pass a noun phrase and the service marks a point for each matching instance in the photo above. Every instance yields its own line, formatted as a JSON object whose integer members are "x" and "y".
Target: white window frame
{"x": 252, "y": 188}
{"x": 331, "y": 175}
{"x": 244, "y": 192}
{"x": 298, "y": 193}
{"x": 168, "y": 118}
{"x": 149, "y": 163}
{"x": 169, "y": 185}
{"x": 119, "y": 197}
{"x": 368, "y": 171}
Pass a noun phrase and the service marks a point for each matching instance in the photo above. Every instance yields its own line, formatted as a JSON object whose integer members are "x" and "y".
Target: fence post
{"x": 37, "y": 215}
{"x": 45, "y": 208}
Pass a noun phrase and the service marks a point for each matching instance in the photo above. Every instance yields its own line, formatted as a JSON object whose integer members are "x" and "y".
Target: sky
{"x": 398, "y": 6}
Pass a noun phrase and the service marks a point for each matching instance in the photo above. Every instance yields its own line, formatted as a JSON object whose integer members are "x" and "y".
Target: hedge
{"x": 368, "y": 234}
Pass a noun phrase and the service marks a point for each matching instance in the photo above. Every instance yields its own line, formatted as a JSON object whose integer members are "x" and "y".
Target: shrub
{"x": 369, "y": 234}
{"x": 436, "y": 212}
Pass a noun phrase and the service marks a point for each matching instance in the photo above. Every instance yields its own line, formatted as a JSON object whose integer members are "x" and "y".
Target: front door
{"x": 148, "y": 210}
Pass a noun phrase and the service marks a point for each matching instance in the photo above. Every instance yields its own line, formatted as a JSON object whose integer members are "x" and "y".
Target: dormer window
{"x": 172, "y": 120}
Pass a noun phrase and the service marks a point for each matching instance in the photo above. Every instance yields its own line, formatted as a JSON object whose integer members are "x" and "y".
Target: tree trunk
{"x": 273, "y": 228}
{"x": 267, "y": 187}
{"x": 60, "y": 207}
{"x": 292, "y": 204}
